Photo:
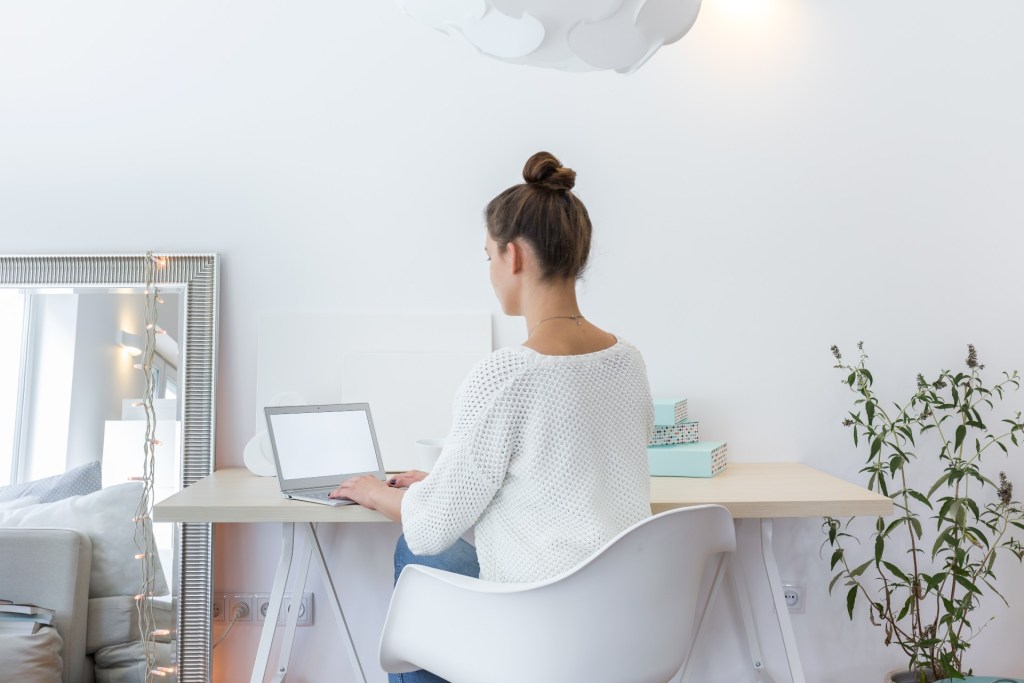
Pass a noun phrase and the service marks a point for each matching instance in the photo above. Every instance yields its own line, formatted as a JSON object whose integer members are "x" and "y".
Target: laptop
{"x": 318, "y": 447}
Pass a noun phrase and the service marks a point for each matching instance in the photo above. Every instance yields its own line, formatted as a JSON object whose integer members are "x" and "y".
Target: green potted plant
{"x": 927, "y": 567}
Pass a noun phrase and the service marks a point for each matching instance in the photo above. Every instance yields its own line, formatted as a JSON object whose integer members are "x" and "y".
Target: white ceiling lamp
{"x": 572, "y": 35}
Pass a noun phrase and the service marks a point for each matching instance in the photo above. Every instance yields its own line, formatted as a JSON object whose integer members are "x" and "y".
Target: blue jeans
{"x": 459, "y": 559}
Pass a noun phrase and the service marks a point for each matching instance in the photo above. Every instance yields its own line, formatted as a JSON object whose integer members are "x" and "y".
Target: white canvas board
{"x": 305, "y": 353}
{"x": 410, "y": 397}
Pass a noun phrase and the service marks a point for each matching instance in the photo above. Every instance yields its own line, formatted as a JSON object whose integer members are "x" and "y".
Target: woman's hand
{"x": 362, "y": 490}
{"x": 405, "y": 479}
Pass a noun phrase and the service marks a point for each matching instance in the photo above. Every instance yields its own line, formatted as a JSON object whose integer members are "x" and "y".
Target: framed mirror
{"x": 69, "y": 395}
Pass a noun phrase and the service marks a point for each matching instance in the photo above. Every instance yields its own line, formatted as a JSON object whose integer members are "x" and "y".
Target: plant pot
{"x": 905, "y": 676}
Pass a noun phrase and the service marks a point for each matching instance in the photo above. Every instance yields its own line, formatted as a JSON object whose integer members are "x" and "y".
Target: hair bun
{"x": 544, "y": 170}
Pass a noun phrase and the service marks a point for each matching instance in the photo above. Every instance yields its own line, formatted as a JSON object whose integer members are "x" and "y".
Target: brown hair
{"x": 544, "y": 212}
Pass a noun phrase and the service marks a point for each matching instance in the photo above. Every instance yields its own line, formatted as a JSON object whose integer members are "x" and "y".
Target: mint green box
{"x": 668, "y": 412}
{"x": 684, "y": 432}
{"x": 700, "y": 459}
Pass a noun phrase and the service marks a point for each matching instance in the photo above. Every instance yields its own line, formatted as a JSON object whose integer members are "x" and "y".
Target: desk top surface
{"x": 771, "y": 489}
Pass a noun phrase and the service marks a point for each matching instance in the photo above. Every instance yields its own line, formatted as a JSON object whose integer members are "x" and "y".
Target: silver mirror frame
{"x": 197, "y": 275}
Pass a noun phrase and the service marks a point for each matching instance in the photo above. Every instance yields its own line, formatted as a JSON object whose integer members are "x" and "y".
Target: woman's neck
{"x": 550, "y": 302}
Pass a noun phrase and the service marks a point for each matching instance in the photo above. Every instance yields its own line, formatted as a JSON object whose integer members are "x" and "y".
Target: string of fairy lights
{"x": 144, "y": 540}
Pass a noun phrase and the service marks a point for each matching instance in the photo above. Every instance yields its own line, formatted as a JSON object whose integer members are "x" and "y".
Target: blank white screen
{"x": 323, "y": 444}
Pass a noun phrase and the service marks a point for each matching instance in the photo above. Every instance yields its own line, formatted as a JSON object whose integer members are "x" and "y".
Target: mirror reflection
{"x": 71, "y": 414}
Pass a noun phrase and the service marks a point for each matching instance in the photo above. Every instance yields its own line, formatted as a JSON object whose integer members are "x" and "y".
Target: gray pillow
{"x": 78, "y": 481}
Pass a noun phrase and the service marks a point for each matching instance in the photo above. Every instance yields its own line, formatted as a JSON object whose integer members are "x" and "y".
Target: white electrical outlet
{"x": 217, "y": 607}
{"x": 262, "y": 605}
{"x": 793, "y": 596}
{"x": 254, "y": 607}
{"x": 239, "y": 608}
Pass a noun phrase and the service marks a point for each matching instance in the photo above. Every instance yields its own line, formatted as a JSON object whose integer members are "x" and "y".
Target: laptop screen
{"x": 325, "y": 442}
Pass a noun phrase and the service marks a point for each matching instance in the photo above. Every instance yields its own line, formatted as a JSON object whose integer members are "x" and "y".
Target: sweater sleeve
{"x": 471, "y": 468}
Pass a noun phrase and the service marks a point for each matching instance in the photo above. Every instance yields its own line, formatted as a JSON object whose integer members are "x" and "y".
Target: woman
{"x": 546, "y": 457}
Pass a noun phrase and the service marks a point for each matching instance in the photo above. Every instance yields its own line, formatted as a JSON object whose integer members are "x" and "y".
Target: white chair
{"x": 625, "y": 615}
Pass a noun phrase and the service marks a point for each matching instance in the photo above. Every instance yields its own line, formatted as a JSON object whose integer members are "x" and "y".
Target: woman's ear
{"x": 516, "y": 255}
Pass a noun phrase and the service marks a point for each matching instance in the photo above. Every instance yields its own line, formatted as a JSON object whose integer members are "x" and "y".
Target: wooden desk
{"x": 748, "y": 490}
{"x": 753, "y": 492}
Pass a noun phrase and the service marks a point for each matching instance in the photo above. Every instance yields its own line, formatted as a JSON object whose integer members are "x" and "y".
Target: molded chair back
{"x": 625, "y": 615}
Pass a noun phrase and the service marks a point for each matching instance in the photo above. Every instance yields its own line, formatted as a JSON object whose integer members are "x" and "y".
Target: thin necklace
{"x": 577, "y": 318}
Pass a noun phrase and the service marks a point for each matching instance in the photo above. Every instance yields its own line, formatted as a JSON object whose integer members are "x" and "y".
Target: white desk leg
{"x": 742, "y": 596}
{"x": 333, "y": 601}
{"x": 259, "y": 668}
{"x": 293, "y": 616}
{"x": 781, "y": 611}
{"x": 720, "y": 569}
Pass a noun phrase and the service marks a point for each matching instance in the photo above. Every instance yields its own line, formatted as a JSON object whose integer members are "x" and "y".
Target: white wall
{"x": 789, "y": 176}
{"x": 104, "y": 374}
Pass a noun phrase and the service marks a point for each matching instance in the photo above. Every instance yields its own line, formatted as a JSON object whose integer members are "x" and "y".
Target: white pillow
{"x": 22, "y": 502}
{"x": 106, "y": 518}
{"x": 32, "y": 658}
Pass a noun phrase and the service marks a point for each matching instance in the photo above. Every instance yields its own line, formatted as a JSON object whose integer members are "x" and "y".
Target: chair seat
{"x": 625, "y": 615}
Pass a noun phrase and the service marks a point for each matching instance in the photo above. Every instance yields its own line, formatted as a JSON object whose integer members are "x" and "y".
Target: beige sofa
{"x": 51, "y": 568}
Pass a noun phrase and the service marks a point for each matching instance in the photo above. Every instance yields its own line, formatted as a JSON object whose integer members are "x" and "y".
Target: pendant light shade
{"x": 572, "y": 35}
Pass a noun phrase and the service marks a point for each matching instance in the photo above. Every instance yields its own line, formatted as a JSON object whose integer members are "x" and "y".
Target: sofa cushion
{"x": 78, "y": 481}
{"x": 33, "y": 658}
{"x": 126, "y": 663}
{"x": 106, "y": 518}
{"x": 115, "y": 620}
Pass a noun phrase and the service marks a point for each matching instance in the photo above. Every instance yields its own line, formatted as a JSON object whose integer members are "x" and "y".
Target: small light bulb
{"x": 140, "y": 556}
{"x": 149, "y": 326}
{"x": 157, "y": 672}
{"x": 138, "y": 404}
{"x": 159, "y": 299}
{"x": 137, "y": 366}
{"x": 155, "y": 442}
{"x": 136, "y": 479}
{"x": 161, "y": 632}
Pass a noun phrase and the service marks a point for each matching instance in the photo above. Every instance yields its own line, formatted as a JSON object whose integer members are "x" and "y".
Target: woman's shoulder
{"x": 496, "y": 370}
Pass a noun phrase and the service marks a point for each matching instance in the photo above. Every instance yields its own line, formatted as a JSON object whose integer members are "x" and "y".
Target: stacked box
{"x": 700, "y": 459}
{"x": 685, "y": 432}
{"x": 668, "y": 412}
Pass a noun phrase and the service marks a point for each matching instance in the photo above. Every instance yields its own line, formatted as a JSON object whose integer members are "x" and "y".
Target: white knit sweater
{"x": 546, "y": 457}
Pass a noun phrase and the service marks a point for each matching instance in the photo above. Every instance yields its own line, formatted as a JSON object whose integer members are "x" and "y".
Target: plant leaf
{"x": 916, "y": 495}
{"x": 916, "y": 523}
{"x": 859, "y": 569}
{"x": 961, "y": 432}
{"x": 941, "y": 480}
{"x": 966, "y": 583}
{"x": 896, "y": 571}
{"x": 851, "y": 598}
{"x": 836, "y": 556}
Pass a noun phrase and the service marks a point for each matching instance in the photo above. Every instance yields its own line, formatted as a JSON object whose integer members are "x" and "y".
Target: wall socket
{"x": 239, "y": 607}
{"x": 305, "y": 608}
{"x": 256, "y": 606}
{"x": 793, "y": 596}
{"x": 218, "y": 607}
